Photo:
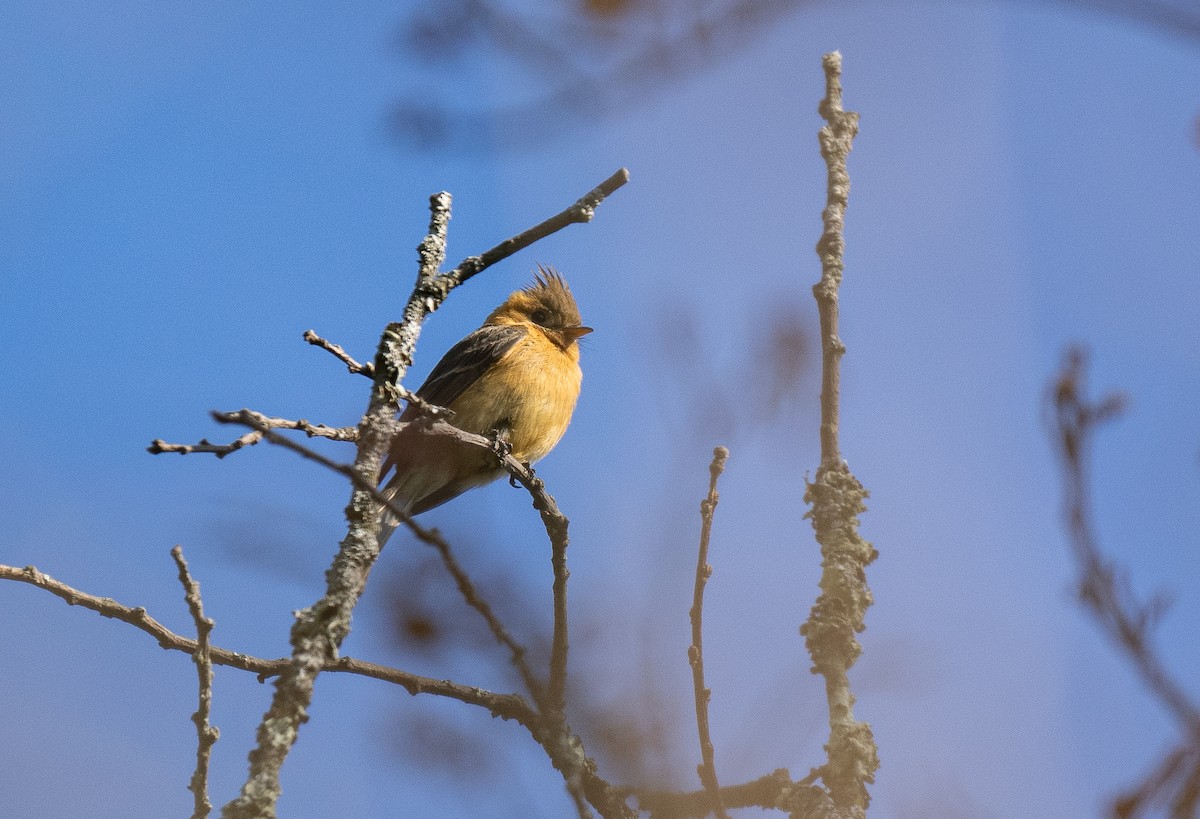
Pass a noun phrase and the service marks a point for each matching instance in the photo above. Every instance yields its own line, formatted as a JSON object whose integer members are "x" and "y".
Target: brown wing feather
{"x": 466, "y": 361}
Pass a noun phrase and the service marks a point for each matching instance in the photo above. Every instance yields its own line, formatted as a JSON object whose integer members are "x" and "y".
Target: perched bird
{"x": 516, "y": 377}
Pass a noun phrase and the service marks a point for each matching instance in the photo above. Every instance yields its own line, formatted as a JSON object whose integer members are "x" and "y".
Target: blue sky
{"x": 184, "y": 192}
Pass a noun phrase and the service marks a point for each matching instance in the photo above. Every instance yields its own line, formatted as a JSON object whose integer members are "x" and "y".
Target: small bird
{"x": 517, "y": 378}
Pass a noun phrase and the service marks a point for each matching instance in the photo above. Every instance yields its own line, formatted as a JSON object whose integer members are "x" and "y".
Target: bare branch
{"x": 1125, "y": 620}
{"x": 556, "y": 525}
{"x": 707, "y": 768}
{"x": 340, "y": 354}
{"x": 309, "y": 429}
{"x": 158, "y": 446}
{"x": 836, "y": 139}
{"x": 505, "y": 706}
{"x": 206, "y": 733}
{"x": 581, "y": 212}
{"x": 836, "y": 496}
{"x": 319, "y": 630}
{"x": 1174, "y": 779}
{"x": 430, "y": 537}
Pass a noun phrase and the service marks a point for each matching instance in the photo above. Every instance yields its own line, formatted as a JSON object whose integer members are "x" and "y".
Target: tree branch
{"x": 581, "y": 212}
{"x": 836, "y": 496}
{"x": 505, "y": 706}
{"x": 207, "y": 734}
{"x": 320, "y": 629}
{"x": 431, "y": 537}
{"x": 159, "y": 446}
{"x": 556, "y": 525}
{"x": 340, "y": 354}
{"x": 707, "y": 768}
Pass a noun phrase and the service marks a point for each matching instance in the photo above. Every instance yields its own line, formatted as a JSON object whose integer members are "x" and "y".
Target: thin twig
{"x": 475, "y": 600}
{"x": 1125, "y": 620}
{"x": 309, "y": 429}
{"x": 505, "y": 706}
{"x": 340, "y": 354}
{"x": 836, "y": 496}
{"x": 159, "y": 446}
{"x": 708, "y": 507}
{"x": 206, "y": 733}
{"x": 581, "y": 212}
{"x": 556, "y": 525}
{"x": 564, "y": 749}
{"x": 1174, "y": 776}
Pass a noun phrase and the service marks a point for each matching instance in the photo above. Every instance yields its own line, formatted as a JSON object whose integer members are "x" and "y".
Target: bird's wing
{"x": 467, "y": 360}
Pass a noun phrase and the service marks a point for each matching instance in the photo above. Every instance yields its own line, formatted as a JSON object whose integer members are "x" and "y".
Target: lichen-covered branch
{"x": 320, "y": 629}
{"x": 836, "y": 496}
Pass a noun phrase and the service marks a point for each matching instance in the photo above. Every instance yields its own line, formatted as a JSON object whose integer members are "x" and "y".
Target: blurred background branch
{"x": 1104, "y": 589}
{"x": 592, "y": 59}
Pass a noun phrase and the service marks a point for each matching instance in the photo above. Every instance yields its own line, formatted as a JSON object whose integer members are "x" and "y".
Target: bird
{"x": 516, "y": 378}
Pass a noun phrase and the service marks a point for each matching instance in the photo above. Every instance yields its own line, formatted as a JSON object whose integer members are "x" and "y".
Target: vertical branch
{"x": 708, "y": 507}
{"x": 836, "y": 496}
{"x": 836, "y": 139}
{"x": 556, "y": 695}
{"x": 206, "y": 734}
{"x": 319, "y": 630}
{"x": 553, "y": 707}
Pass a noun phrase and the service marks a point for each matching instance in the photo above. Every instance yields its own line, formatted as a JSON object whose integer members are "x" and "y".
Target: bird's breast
{"x": 530, "y": 393}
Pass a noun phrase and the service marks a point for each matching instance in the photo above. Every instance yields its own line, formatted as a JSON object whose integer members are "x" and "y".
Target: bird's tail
{"x": 391, "y": 489}
{"x": 388, "y": 523}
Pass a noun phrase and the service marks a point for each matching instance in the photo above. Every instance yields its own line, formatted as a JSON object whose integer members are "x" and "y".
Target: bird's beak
{"x": 573, "y": 333}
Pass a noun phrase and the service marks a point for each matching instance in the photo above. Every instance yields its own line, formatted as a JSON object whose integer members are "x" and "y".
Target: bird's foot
{"x": 501, "y": 446}
{"x": 512, "y": 479}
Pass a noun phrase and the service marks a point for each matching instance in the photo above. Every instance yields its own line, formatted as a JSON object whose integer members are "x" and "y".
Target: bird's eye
{"x": 540, "y": 316}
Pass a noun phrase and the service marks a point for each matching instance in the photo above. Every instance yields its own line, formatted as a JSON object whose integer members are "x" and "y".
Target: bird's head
{"x": 548, "y": 304}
